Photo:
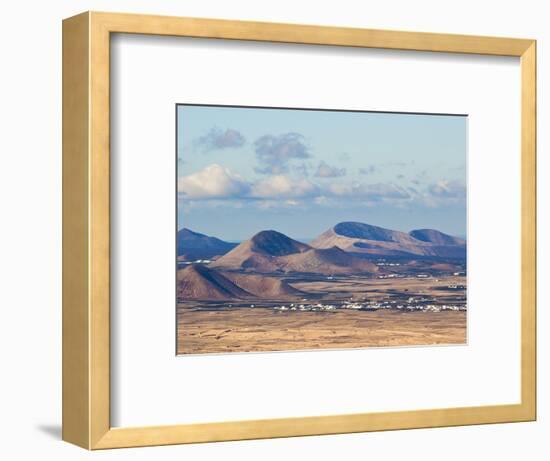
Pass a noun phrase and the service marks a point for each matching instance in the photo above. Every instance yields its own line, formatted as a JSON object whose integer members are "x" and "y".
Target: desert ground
{"x": 263, "y": 330}
{"x": 340, "y": 312}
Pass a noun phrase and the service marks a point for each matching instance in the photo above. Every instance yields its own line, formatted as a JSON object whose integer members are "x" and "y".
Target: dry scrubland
{"x": 256, "y": 330}
{"x": 241, "y": 328}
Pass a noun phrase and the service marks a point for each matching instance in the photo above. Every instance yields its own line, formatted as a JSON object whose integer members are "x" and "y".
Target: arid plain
{"x": 339, "y": 312}
{"x": 262, "y": 330}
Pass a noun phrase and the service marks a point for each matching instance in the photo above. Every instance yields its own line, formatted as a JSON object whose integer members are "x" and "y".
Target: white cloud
{"x": 217, "y": 184}
{"x": 283, "y": 186}
{"x": 214, "y": 181}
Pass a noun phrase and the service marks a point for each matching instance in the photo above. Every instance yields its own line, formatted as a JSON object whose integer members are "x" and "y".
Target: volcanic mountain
{"x": 368, "y": 240}
{"x": 199, "y": 282}
{"x": 192, "y": 245}
{"x": 271, "y": 251}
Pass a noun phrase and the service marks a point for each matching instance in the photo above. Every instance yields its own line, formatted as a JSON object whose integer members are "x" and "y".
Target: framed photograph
{"x": 276, "y": 230}
{"x": 246, "y": 285}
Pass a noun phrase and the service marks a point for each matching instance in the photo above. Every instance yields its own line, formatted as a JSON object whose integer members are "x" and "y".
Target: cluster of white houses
{"x": 371, "y": 306}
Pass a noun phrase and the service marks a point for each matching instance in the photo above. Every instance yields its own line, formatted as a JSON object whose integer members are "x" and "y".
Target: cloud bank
{"x": 220, "y": 183}
{"x": 281, "y": 186}
{"x": 214, "y": 181}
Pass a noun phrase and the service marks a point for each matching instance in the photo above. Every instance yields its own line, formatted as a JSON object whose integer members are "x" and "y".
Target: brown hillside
{"x": 200, "y": 282}
{"x": 264, "y": 287}
{"x": 327, "y": 261}
{"x": 271, "y": 251}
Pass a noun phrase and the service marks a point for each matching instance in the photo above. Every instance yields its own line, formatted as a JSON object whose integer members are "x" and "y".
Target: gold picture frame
{"x": 86, "y": 230}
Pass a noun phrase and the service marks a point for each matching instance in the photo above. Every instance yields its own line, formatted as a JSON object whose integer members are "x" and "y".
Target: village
{"x": 413, "y": 305}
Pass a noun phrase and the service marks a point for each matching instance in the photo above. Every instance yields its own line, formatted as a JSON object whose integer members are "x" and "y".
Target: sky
{"x": 300, "y": 172}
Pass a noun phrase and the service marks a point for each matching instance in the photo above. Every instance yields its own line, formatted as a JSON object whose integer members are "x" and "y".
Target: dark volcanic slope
{"x": 260, "y": 252}
{"x": 360, "y": 230}
{"x": 199, "y": 282}
{"x": 435, "y": 237}
{"x": 270, "y": 251}
{"x": 192, "y": 245}
{"x": 365, "y": 239}
{"x": 274, "y": 243}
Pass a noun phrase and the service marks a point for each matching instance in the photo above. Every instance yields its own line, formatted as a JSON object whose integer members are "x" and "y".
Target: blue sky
{"x": 242, "y": 170}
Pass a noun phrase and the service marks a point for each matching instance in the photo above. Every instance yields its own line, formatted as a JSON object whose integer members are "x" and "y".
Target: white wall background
{"x": 30, "y": 234}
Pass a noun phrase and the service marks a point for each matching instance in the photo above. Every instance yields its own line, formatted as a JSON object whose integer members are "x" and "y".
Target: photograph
{"x": 308, "y": 229}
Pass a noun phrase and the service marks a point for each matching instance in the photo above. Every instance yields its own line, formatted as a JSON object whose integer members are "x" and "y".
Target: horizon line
{"x": 464, "y": 237}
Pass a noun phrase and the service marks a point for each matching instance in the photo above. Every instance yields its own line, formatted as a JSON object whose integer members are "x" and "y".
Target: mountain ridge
{"x": 200, "y": 282}
{"x": 193, "y": 245}
{"x": 368, "y": 240}
{"x": 272, "y": 251}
